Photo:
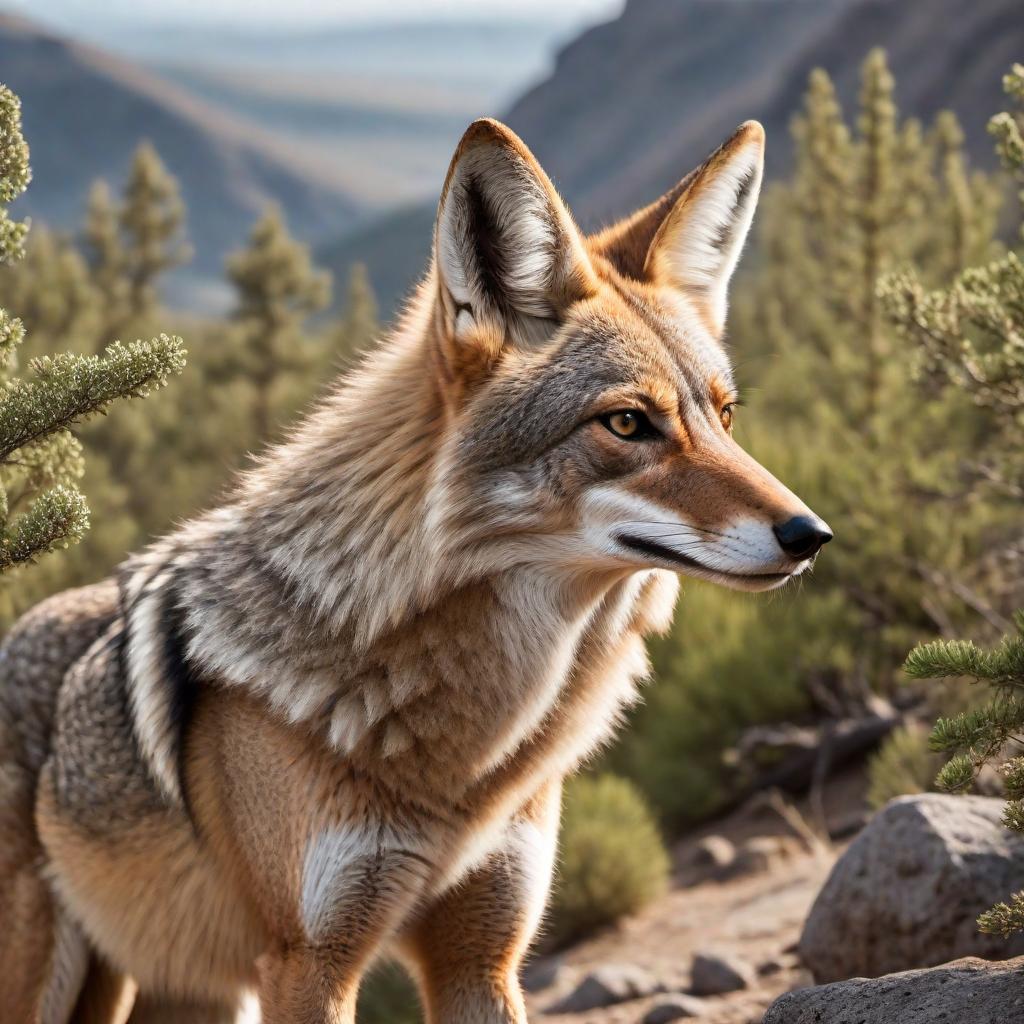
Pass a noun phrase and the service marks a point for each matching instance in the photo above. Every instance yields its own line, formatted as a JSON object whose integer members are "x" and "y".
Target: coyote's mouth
{"x": 665, "y": 554}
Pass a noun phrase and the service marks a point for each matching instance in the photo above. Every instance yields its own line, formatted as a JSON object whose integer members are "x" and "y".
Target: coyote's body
{"x": 330, "y": 719}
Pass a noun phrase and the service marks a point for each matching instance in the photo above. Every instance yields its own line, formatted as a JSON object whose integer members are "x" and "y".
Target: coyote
{"x": 329, "y": 720}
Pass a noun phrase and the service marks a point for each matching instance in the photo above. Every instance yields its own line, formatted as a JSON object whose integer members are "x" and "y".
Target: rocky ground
{"x": 737, "y": 904}
{"x": 892, "y": 934}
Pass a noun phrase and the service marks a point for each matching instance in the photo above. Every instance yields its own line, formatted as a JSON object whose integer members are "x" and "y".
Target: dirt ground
{"x": 755, "y": 915}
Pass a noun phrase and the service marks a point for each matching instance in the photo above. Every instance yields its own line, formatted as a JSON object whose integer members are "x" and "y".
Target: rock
{"x": 607, "y": 985}
{"x": 761, "y": 853}
{"x": 713, "y": 974}
{"x": 968, "y": 991}
{"x": 777, "y": 964}
{"x": 674, "y": 1007}
{"x": 715, "y": 852}
{"x": 909, "y": 888}
{"x": 542, "y": 973}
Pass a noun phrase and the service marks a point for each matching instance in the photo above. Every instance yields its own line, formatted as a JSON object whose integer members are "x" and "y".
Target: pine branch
{"x": 68, "y": 388}
{"x": 1012, "y": 772}
{"x": 1004, "y": 919}
{"x": 988, "y": 727}
{"x": 957, "y": 774}
{"x": 941, "y": 659}
{"x": 55, "y": 519}
{"x": 12, "y": 333}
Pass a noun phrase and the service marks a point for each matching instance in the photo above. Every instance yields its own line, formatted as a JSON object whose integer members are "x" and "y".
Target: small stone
{"x": 714, "y": 974}
{"x": 760, "y": 854}
{"x": 715, "y": 852}
{"x": 607, "y": 985}
{"x": 674, "y": 1007}
{"x": 542, "y": 973}
{"x": 777, "y": 964}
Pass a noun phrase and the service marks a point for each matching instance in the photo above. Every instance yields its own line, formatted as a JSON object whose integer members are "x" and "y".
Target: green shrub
{"x": 612, "y": 860}
{"x": 388, "y": 996}
{"x": 731, "y": 661}
{"x": 904, "y": 763}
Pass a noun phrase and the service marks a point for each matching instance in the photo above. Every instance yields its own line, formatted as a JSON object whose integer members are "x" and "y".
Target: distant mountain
{"x": 375, "y": 108}
{"x": 86, "y": 111}
{"x": 635, "y": 103}
{"x": 395, "y": 249}
{"x": 476, "y": 53}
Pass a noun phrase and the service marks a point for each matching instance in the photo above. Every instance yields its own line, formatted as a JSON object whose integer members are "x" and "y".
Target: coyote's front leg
{"x": 469, "y": 944}
{"x": 357, "y": 884}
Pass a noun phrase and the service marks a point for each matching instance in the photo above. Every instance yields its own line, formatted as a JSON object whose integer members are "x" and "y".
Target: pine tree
{"x": 359, "y": 324}
{"x": 971, "y": 334}
{"x": 862, "y": 203}
{"x": 104, "y": 248}
{"x": 40, "y": 461}
{"x": 152, "y": 219}
{"x": 278, "y": 290}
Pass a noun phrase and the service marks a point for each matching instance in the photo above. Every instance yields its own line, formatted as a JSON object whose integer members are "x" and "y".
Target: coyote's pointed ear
{"x": 625, "y": 243}
{"x": 509, "y": 258}
{"x": 698, "y": 244}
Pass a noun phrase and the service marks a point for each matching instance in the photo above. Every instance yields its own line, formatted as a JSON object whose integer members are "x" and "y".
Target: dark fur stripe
{"x": 178, "y": 674}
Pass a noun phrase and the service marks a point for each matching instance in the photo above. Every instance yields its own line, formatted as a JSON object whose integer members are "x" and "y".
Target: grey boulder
{"x": 908, "y": 891}
{"x": 968, "y": 991}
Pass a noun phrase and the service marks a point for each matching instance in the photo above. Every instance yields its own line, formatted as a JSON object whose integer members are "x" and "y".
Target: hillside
{"x": 377, "y": 107}
{"x": 634, "y": 103}
{"x": 86, "y": 111}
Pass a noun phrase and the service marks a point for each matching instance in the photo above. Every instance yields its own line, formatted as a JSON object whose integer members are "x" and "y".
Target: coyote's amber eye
{"x": 727, "y": 415}
{"x": 630, "y": 424}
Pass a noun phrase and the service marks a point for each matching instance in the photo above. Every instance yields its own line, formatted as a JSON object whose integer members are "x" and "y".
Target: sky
{"x": 80, "y": 14}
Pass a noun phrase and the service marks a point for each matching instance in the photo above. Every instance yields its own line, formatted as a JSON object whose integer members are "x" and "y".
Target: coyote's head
{"x": 588, "y": 394}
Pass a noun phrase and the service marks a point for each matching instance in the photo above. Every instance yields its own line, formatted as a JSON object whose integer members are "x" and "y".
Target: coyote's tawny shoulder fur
{"x": 330, "y": 719}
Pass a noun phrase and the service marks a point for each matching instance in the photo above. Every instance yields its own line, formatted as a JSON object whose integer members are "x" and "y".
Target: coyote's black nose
{"x": 801, "y": 536}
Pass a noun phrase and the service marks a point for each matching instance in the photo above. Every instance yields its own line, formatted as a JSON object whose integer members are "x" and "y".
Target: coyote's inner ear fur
{"x": 698, "y": 244}
{"x": 509, "y": 258}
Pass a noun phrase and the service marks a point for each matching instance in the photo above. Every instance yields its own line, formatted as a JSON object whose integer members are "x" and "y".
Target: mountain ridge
{"x": 86, "y": 109}
{"x": 634, "y": 103}
{"x": 610, "y": 148}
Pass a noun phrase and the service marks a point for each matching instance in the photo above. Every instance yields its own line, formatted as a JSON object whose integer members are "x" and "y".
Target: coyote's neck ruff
{"x": 360, "y": 583}
{"x": 361, "y": 680}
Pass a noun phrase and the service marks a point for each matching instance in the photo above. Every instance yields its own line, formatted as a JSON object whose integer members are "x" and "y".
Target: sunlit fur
{"x": 331, "y": 717}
